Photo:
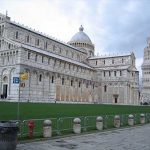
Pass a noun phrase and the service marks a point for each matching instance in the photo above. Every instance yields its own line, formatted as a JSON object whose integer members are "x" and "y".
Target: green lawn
{"x": 62, "y": 115}
{"x": 40, "y": 110}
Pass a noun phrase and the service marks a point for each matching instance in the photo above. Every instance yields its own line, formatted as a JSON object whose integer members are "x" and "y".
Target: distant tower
{"x": 145, "y": 95}
{"x": 82, "y": 41}
{"x": 6, "y": 13}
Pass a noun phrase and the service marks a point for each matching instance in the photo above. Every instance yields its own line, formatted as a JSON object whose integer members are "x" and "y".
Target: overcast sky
{"x": 114, "y": 26}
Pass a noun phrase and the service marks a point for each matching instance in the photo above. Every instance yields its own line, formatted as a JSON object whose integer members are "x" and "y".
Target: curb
{"x": 83, "y": 133}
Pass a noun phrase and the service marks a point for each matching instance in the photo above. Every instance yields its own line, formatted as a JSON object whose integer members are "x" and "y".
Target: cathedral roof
{"x": 109, "y": 68}
{"x": 56, "y": 56}
{"x": 110, "y": 56}
{"x": 44, "y": 35}
{"x": 81, "y": 37}
{"x": 49, "y": 54}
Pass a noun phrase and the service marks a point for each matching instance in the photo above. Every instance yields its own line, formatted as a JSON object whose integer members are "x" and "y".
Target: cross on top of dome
{"x": 81, "y": 28}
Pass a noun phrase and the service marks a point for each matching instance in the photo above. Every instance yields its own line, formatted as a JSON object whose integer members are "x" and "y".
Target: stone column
{"x": 117, "y": 121}
{"x": 47, "y": 128}
{"x": 131, "y": 120}
{"x": 99, "y": 123}
{"x": 58, "y": 87}
{"x": 142, "y": 118}
{"x": 77, "y": 126}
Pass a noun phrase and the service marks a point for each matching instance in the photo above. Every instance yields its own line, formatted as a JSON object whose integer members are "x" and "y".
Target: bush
{"x": 145, "y": 103}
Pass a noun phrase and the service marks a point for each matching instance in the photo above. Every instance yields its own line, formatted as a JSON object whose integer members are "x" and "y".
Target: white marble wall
{"x": 121, "y": 77}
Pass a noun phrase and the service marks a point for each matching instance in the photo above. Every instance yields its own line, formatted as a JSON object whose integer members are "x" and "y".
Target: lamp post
{"x": 18, "y": 106}
{"x": 22, "y": 77}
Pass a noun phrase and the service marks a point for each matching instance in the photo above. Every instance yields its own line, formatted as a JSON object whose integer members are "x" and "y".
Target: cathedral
{"x": 37, "y": 68}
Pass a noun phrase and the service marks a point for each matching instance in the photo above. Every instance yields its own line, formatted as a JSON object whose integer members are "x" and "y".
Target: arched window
{"x": 115, "y": 73}
{"x": 0, "y": 31}
{"x": 49, "y": 60}
{"x": 104, "y": 73}
{"x": 5, "y": 79}
{"x": 9, "y": 46}
{"x": 87, "y": 85}
{"x": 105, "y": 88}
{"x": 42, "y": 59}
{"x": 71, "y": 82}
{"x": 38, "y": 42}
{"x": 8, "y": 58}
{"x": 62, "y": 81}
{"x": 16, "y": 35}
{"x": 78, "y": 57}
{"x": 28, "y": 39}
{"x": 40, "y": 78}
{"x": 29, "y": 54}
{"x": 93, "y": 86}
{"x": 52, "y": 81}
{"x": 66, "y": 52}
{"x": 54, "y": 47}
{"x": 96, "y": 62}
{"x": 120, "y": 73}
{"x": 36, "y": 57}
{"x": 109, "y": 73}
{"x": 60, "y": 50}
{"x": 45, "y": 45}
{"x": 113, "y": 61}
{"x": 69, "y": 66}
{"x": 79, "y": 84}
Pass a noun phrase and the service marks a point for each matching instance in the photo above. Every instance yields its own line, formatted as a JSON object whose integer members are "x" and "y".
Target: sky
{"x": 114, "y": 26}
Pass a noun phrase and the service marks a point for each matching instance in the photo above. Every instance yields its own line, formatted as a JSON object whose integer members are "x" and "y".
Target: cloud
{"x": 114, "y": 26}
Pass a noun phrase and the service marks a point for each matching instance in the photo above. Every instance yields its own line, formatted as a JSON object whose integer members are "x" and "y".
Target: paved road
{"x": 136, "y": 138}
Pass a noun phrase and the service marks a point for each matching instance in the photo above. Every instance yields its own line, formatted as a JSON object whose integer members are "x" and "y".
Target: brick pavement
{"x": 134, "y": 138}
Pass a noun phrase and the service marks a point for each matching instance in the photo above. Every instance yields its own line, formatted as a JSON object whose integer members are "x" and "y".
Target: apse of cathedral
{"x": 35, "y": 67}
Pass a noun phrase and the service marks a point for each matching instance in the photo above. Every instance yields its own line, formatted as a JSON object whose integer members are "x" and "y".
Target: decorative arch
{"x": 5, "y": 83}
{"x": 34, "y": 77}
{"x": 27, "y": 70}
{"x": 5, "y": 79}
{"x": 5, "y": 71}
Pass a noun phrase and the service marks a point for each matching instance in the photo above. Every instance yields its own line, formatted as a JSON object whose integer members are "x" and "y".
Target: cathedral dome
{"x": 81, "y": 37}
{"x": 81, "y": 41}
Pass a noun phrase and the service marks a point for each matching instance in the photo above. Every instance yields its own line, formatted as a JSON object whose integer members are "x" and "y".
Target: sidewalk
{"x": 134, "y": 138}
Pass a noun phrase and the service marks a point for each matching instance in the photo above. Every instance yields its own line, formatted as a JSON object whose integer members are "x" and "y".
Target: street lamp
{"x": 22, "y": 77}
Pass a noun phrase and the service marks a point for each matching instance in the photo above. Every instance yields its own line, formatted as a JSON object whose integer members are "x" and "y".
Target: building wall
{"x": 25, "y": 36}
{"x": 47, "y": 86}
{"x": 69, "y": 78}
{"x": 119, "y": 78}
{"x": 43, "y": 89}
